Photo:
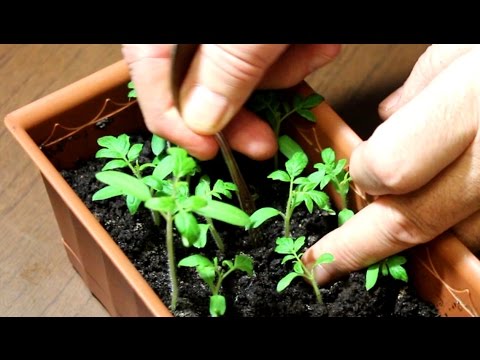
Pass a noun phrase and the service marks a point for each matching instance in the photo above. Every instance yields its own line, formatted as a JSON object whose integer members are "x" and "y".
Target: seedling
{"x": 277, "y": 108}
{"x": 301, "y": 190}
{"x": 214, "y": 274}
{"x": 290, "y": 248}
{"x": 391, "y": 265}
{"x": 165, "y": 192}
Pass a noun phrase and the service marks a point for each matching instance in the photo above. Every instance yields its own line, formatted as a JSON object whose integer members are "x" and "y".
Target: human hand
{"x": 423, "y": 162}
{"x": 219, "y": 82}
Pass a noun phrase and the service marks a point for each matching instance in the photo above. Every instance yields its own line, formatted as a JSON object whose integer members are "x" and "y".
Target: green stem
{"x": 171, "y": 260}
{"x": 308, "y": 274}
{"x": 221, "y": 277}
{"x": 288, "y": 210}
{"x": 216, "y": 235}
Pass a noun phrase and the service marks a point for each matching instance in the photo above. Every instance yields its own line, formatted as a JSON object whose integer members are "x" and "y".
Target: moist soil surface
{"x": 144, "y": 245}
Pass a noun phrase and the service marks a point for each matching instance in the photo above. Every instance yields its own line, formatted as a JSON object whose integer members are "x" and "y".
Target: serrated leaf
{"x": 152, "y": 182}
{"x": 297, "y": 101}
{"x": 398, "y": 272}
{"x": 203, "y": 187}
{"x": 328, "y": 155}
{"x": 340, "y": 166}
{"x": 115, "y": 164}
{"x": 298, "y": 243}
{"x": 183, "y": 164}
{"x": 287, "y": 258}
{"x": 130, "y": 185}
{"x": 301, "y": 181}
{"x": 320, "y": 199}
{"x": 120, "y": 144}
{"x": 193, "y": 203}
{"x": 317, "y": 176}
{"x": 286, "y": 280}
{"x": 325, "y": 258}
{"x": 308, "y": 202}
{"x": 202, "y": 236}
{"x": 307, "y": 114}
{"x": 187, "y": 226}
{"x": 396, "y": 260}
{"x": 158, "y": 144}
{"x": 312, "y": 101}
{"x": 108, "y": 153}
{"x": 106, "y": 193}
{"x": 284, "y": 246}
{"x": 298, "y": 268}
{"x": 224, "y": 212}
{"x": 132, "y": 204}
{"x": 344, "y": 215}
{"x": 134, "y": 152}
{"x": 279, "y": 175}
{"x": 296, "y": 164}
{"x": 324, "y": 182}
{"x": 218, "y": 305}
{"x": 195, "y": 260}
{"x": 244, "y": 263}
{"x": 371, "y": 276}
{"x": 163, "y": 168}
{"x": 288, "y": 146}
{"x": 262, "y": 215}
{"x": 164, "y": 204}
{"x": 224, "y": 188}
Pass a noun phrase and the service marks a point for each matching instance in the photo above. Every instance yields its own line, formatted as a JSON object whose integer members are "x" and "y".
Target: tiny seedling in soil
{"x": 166, "y": 192}
{"x": 391, "y": 265}
{"x": 214, "y": 274}
{"x": 290, "y": 248}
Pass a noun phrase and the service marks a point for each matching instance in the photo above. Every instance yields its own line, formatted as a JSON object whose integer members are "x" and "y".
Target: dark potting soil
{"x": 144, "y": 245}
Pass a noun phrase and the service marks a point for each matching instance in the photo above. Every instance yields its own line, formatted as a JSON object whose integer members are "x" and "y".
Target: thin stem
{"x": 288, "y": 210}
{"x": 171, "y": 260}
{"x": 308, "y": 274}
{"x": 215, "y": 235}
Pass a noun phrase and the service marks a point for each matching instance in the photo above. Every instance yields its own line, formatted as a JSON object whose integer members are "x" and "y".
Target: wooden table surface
{"x": 36, "y": 278}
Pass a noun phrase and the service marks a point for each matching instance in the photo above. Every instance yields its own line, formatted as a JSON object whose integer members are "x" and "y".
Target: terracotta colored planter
{"x": 445, "y": 271}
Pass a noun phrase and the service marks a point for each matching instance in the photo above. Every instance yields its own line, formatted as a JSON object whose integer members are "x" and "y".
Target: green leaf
{"x": 195, "y": 260}
{"x": 130, "y": 185}
{"x": 106, "y": 193}
{"x": 158, "y": 144}
{"x": 164, "y": 168}
{"x": 183, "y": 164}
{"x": 202, "y": 236}
{"x": 325, "y": 258}
{"x": 115, "y": 164}
{"x": 288, "y": 146}
{"x": 297, "y": 101}
{"x": 224, "y": 212}
{"x": 307, "y": 200}
{"x": 398, "y": 272}
{"x": 344, "y": 215}
{"x": 296, "y": 164}
{"x": 132, "y": 94}
{"x": 317, "y": 176}
{"x": 320, "y": 199}
{"x": 371, "y": 276}
{"x": 340, "y": 166}
{"x": 396, "y": 260}
{"x": 218, "y": 305}
{"x": 108, "y": 153}
{"x": 262, "y": 215}
{"x": 207, "y": 274}
{"x": 298, "y": 268}
{"x": 121, "y": 144}
{"x": 312, "y": 101}
{"x": 187, "y": 226}
{"x": 328, "y": 155}
{"x": 279, "y": 175}
{"x": 307, "y": 114}
{"x": 134, "y": 152}
{"x": 324, "y": 182}
{"x": 203, "y": 187}
{"x": 384, "y": 268}
{"x": 133, "y": 204}
{"x": 244, "y": 263}
{"x": 299, "y": 242}
{"x": 165, "y": 204}
{"x": 284, "y": 246}
{"x": 286, "y": 280}
{"x": 287, "y": 258}
{"x": 152, "y": 182}
{"x": 194, "y": 203}
{"x": 146, "y": 165}
{"x": 227, "y": 263}
{"x": 131, "y": 85}
{"x": 224, "y": 188}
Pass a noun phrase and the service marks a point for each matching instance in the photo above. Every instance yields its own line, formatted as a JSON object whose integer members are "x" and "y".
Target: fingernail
{"x": 391, "y": 100}
{"x": 205, "y": 111}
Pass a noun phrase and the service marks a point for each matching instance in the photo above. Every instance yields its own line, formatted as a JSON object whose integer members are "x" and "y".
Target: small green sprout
{"x": 290, "y": 248}
{"x": 132, "y": 94}
{"x": 166, "y": 192}
{"x": 301, "y": 190}
{"x": 391, "y": 265}
{"x": 277, "y": 107}
{"x": 214, "y": 274}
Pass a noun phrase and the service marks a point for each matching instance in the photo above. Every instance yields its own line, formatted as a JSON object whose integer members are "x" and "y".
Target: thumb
{"x": 220, "y": 80}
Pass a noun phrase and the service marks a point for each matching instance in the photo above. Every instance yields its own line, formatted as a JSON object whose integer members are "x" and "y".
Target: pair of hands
{"x": 417, "y": 162}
